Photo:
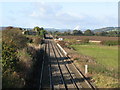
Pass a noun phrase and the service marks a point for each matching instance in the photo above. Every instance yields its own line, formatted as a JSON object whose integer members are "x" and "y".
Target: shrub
{"x": 25, "y": 58}
{"x": 109, "y": 43}
{"x": 13, "y": 41}
{"x": 12, "y": 79}
{"x": 14, "y": 37}
{"x": 17, "y": 58}
{"x": 9, "y": 60}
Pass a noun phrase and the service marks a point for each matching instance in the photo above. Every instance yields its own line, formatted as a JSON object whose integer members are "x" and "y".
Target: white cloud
{"x": 34, "y": 14}
{"x": 53, "y": 15}
{"x": 45, "y": 10}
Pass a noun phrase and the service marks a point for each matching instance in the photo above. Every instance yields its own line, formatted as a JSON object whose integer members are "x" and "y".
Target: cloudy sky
{"x": 59, "y": 14}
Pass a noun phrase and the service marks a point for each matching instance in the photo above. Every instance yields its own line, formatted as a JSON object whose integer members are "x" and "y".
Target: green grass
{"x": 105, "y": 70}
{"x": 104, "y": 55}
{"x": 105, "y": 81}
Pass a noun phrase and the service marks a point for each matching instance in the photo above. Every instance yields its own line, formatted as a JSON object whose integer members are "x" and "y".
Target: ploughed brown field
{"x": 96, "y": 38}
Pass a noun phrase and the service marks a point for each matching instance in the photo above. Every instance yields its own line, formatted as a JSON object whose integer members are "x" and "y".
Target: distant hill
{"x": 106, "y": 29}
{"x": 3, "y": 28}
{"x": 54, "y": 29}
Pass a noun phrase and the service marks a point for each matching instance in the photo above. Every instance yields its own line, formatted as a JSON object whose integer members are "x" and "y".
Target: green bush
{"x": 25, "y": 59}
{"x": 9, "y": 60}
{"x": 12, "y": 79}
{"x": 18, "y": 58}
{"x": 110, "y": 43}
{"x": 10, "y": 67}
{"x": 14, "y": 37}
{"x": 12, "y": 42}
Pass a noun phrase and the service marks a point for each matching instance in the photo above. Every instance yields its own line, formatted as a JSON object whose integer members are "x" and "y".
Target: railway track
{"x": 75, "y": 68}
{"x": 58, "y": 71}
{"x": 71, "y": 79}
{"x": 77, "y": 86}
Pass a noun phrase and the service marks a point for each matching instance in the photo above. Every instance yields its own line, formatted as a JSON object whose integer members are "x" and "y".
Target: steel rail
{"x": 79, "y": 72}
{"x": 50, "y": 71}
{"x": 62, "y": 77}
{"x": 73, "y": 81}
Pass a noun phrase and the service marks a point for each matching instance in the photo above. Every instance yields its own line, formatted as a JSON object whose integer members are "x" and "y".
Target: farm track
{"x": 58, "y": 71}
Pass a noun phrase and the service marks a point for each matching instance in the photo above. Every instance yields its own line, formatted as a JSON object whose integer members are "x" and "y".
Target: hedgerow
{"x": 17, "y": 58}
{"x": 110, "y": 43}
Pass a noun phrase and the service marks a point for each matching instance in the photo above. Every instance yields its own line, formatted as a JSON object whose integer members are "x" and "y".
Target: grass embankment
{"x": 20, "y": 59}
{"x": 105, "y": 69}
{"x": 102, "y": 60}
{"x": 105, "y": 55}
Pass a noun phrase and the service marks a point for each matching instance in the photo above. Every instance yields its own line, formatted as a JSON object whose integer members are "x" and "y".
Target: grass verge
{"x": 102, "y": 63}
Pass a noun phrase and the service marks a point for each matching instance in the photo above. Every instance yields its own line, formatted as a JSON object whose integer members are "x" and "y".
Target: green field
{"x": 105, "y": 55}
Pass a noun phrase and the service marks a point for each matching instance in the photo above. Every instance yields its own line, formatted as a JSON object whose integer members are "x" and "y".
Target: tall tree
{"x": 113, "y": 33}
{"x": 88, "y": 33}
{"x": 101, "y": 33}
{"x": 77, "y": 32}
{"x": 36, "y": 29}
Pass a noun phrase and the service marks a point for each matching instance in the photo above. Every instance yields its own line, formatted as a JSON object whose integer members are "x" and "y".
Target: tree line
{"x": 87, "y": 33}
{"x": 39, "y": 31}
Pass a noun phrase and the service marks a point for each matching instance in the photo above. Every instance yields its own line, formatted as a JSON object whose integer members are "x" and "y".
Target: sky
{"x": 61, "y": 15}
